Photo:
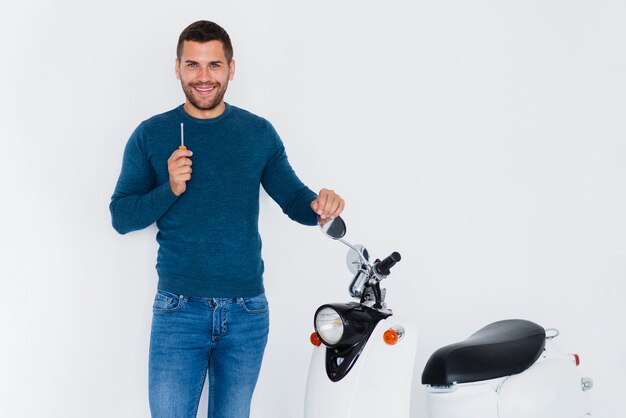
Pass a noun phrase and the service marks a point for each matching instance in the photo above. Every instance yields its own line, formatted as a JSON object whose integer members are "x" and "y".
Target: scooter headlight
{"x": 344, "y": 328}
{"x": 329, "y": 326}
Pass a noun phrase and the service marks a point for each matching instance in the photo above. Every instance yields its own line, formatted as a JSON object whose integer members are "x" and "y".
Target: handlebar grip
{"x": 384, "y": 266}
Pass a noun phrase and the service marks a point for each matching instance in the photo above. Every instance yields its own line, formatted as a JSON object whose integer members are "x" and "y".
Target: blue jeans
{"x": 190, "y": 336}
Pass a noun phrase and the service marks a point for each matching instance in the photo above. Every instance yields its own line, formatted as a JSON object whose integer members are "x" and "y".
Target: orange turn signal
{"x": 391, "y": 336}
{"x": 315, "y": 340}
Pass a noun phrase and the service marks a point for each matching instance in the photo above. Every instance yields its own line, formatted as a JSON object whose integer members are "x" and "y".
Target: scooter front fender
{"x": 378, "y": 385}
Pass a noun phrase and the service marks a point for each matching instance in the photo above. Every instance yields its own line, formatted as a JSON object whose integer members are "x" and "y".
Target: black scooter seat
{"x": 500, "y": 349}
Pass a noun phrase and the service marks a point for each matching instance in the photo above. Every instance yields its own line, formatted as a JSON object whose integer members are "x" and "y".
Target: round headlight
{"x": 329, "y": 326}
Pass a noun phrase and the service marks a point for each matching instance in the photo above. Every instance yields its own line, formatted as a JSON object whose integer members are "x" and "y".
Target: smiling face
{"x": 204, "y": 73}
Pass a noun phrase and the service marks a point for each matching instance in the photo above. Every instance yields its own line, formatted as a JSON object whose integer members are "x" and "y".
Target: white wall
{"x": 483, "y": 140}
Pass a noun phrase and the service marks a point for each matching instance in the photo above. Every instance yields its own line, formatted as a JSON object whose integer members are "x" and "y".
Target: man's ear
{"x": 231, "y": 70}
{"x": 177, "y": 68}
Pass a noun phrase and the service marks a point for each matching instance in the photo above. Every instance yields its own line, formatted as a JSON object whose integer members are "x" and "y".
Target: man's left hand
{"x": 328, "y": 205}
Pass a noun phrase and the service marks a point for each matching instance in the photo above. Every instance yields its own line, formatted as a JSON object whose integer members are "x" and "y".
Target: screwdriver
{"x": 182, "y": 138}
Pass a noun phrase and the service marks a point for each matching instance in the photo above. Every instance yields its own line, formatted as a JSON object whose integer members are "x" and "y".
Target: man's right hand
{"x": 179, "y": 169}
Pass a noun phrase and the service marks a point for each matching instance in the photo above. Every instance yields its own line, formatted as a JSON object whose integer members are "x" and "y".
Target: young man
{"x": 210, "y": 313}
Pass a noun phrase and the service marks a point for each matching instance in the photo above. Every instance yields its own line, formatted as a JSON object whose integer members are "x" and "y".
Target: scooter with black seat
{"x": 362, "y": 365}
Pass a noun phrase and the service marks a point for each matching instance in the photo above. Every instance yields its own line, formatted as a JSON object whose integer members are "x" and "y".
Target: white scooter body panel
{"x": 379, "y": 384}
{"x": 550, "y": 388}
{"x": 469, "y": 400}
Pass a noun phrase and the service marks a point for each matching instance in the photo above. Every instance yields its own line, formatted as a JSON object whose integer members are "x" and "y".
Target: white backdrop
{"x": 483, "y": 140}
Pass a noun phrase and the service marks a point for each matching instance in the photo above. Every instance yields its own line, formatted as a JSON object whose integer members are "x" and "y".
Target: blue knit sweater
{"x": 209, "y": 243}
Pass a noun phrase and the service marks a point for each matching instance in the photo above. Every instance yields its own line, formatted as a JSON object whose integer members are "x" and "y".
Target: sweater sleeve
{"x": 138, "y": 201}
{"x": 283, "y": 185}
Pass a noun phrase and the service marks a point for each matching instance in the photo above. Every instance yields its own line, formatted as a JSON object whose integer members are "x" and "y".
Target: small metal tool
{"x": 182, "y": 138}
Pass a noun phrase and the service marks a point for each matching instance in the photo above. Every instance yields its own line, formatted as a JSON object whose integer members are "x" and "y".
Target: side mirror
{"x": 335, "y": 228}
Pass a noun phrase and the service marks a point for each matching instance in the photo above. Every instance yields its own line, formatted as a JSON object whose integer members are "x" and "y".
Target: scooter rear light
{"x": 315, "y": 340}
{"x": 575, "y": 359}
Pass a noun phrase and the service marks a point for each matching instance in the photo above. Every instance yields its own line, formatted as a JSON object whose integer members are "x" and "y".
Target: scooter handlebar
{"x": 384, "y": 266}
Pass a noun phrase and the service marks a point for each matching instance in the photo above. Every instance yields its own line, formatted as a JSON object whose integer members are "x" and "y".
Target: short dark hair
{"x": 205, "y": 31}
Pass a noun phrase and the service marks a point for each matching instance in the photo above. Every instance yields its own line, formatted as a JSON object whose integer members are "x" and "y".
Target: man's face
{"x": 204, "y": 74}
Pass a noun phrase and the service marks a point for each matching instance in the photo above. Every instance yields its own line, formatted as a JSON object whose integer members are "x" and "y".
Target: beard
{"x": 204, "y": 103}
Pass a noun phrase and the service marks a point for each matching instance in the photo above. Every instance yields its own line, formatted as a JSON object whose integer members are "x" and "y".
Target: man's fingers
{"x": 183, "y": 176}
{"x": 338, "y": 211}
{"x": 326, "y": 209}
{"x": 179, "y": 153}
{"x": 328, "y": 204}
{"x": 183, "y": 170}
{"x": 321, "y": 201}
{"x": 334, "y": 205}
{"x": 179, "y": 169}
{"x": 183, "y": 162}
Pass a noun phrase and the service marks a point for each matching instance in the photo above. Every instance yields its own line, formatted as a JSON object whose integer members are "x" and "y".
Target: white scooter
{"x": 508, "y": 369}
